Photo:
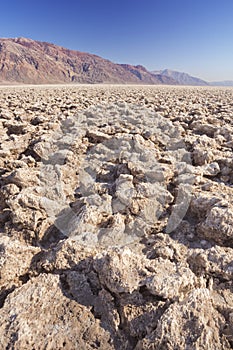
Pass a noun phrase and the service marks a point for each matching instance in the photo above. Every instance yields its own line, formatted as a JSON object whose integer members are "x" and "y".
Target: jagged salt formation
{"x": 143, "y": 182}
{"x": 123, "y": 178}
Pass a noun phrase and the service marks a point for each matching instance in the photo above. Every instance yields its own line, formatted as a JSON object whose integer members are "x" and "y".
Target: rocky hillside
{"x": 28, "y": 61}
{"x": 116, "y": 218}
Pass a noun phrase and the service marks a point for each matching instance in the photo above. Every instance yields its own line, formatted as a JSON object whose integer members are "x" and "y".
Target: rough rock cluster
{"x": 116, "y": 206}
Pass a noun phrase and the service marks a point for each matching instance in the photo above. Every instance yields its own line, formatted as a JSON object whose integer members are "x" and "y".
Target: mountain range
{"x": 27, "y": 61}
{"x": 222, "y": 83}
{"x": 181, "y": 78}
{"x": 33, "y": 62}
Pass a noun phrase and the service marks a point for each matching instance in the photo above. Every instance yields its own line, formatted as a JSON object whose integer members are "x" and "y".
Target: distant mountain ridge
{"x": 29, "y": 61}
{"x": 222, "y": 83}
{"x": 141, "y": 72}
{"x": 181, "y": 78}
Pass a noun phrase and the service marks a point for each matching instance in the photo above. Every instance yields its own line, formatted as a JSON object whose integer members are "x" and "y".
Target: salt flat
{"x": 116, "y": 217}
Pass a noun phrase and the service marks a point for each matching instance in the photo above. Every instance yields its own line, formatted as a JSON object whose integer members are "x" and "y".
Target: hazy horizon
{"x": 186, "y": 36}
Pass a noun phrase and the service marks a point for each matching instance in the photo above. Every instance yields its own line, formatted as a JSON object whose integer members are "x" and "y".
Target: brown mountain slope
{"x": 34, "y": 62}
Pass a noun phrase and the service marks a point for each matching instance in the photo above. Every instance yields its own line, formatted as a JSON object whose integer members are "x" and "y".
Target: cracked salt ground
{"x": 122, "y": 192}
{"x": 165, "y": 287}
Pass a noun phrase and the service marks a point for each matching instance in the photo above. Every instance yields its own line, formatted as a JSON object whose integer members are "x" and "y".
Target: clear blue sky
{"x": 194, "y": 36}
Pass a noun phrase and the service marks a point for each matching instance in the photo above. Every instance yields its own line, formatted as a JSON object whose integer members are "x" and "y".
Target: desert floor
{"x": 116, "y": 217}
